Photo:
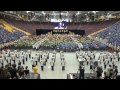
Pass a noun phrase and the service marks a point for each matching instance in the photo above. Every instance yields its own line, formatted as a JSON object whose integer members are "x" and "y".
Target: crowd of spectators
{"x": 6, "y": 36}
{"x": 110, "y": 36}
{"x": 13, "y": 72}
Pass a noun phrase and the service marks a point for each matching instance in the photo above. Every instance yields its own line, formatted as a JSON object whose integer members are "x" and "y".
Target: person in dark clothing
{"x": 52, "y": 65}
{"x": 4, "y": 74}
{"x": 87, "y": 62}
{"x": 99, "y": 72}
{"x": 14, "y": 61}
{"x": 9, "y": 68}
{"x": 23, "y": 61}
{"x": 33, "y": 66}
{"x": 111, "y": 59}
{"x": 81, "y": 76}
{"x": 14, "y": 72}
{"x": 105, "y": 76}
{"x": 10, "y": 62}
{"x": 36, "y": 62}
{"x": 42, "y": 65}
{"x": 19, "y": 66}
{"x": 21, "y": 72}
{"x": 111, "y": 72}
{"x": 74, "y": 76}
{"x": 118, "y": 59}
{"x": 26, "y": 71}
{"x": 116, "y": 71}
{"x": 108, "y": 62}
{"x": 7, "y": 61}
{"x": 39, "y": 58}
{"x": 105, "y": 65}
{"x": 91, "y": 66}
{"x": 26, "y": 59}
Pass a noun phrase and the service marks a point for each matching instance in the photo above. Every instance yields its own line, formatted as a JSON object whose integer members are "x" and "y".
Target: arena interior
{"x": 59, "y": 44}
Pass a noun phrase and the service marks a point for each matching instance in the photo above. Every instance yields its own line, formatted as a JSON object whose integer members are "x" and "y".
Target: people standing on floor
{"x": 111, "y": 73}
{"x": 108, "y": 62}
{"x": 44, "y": 61}
{"x": 26, "y": 71}
{"x": 91, "y": 66}
{"x": 19, "y": 66}
{"x": 14, "y": 73}
{"x": 52, "y": 65}
{"x": 99, "y": 72}
{"x": 42, "y": 65}
{"x": 21, "y": 72}
{"x": 105, "y": 65}
{"x": 23, "y": 61}
{"x": 116, "y": 71}
{"x": 35, "y": 69}
{"x": 82, "y": 70}
{"x": 63, "y": 65}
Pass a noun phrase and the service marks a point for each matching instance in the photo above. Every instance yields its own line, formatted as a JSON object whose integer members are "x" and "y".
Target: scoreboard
{"x": 59, "y": 31}
{"x": 60, "y": 25}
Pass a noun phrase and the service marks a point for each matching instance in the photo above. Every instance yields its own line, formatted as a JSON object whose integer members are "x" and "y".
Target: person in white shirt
{"x": 63, "y": 65}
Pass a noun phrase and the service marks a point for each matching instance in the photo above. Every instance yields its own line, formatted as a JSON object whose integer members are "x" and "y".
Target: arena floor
{"x": 71, "y": 66}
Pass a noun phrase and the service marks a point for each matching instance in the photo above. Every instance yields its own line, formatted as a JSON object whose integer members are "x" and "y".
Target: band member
{"x": 36, "y": 63}
{"x": 52, "y": 65}
{"x": 42, "y": 65}
{"x": 63, "y": 65}
{"x": 23, "y": 61}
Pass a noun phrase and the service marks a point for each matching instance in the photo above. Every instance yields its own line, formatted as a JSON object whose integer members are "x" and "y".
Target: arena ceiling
{"x": 72, "y": 12}
{"x": 41, "y": 15}
{"x": 69, "y": 13}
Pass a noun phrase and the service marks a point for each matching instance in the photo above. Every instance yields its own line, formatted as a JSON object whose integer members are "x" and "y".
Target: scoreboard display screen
{"x": 59, "y": 31}
{"x": 60, "y": 25}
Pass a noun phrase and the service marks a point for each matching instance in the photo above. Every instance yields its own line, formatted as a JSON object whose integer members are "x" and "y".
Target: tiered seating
{"x": 10, "y": 28}
{"x": 30, "y": 26}
{"x": 91, "y": 44}
{"x": 111, "y": 34}
{"x": 89, "y": 27}
{"x": 6, "y": 36}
